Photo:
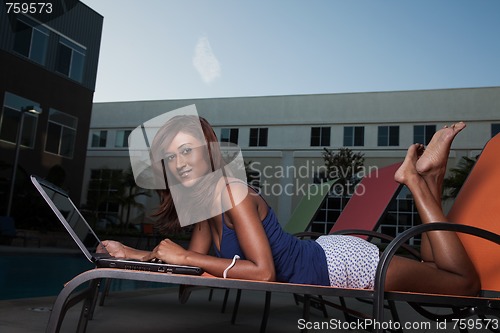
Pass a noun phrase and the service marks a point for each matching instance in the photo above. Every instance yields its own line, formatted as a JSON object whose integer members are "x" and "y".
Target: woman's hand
{"x": 114, "y": 248}
{"x": 168, "y": 251}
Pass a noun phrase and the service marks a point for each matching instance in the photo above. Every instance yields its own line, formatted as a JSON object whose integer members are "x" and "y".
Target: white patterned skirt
{"x": 352, "y": 261}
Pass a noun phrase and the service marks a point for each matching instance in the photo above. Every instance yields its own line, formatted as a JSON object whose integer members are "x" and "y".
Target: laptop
{"x": 87, "y": 240}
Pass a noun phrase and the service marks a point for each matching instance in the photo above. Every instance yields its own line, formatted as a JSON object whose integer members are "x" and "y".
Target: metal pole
{"x": 16, "y": 158}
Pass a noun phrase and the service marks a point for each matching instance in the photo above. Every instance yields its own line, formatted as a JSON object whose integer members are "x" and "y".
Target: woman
{"x": 249, "y": 230}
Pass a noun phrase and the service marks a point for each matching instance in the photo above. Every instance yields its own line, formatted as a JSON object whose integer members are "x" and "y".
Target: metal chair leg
{"x": 88, "y": 306}
{"x": 236, "y": 306}
{"x": 105, "y": 291}
{"x": 224, "y": 303}
{"x": 267, "y": 308}
{"x": 306, "y": 310}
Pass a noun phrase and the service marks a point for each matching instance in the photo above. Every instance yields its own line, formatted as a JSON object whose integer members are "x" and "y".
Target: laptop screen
{"x": 69, "y": 215}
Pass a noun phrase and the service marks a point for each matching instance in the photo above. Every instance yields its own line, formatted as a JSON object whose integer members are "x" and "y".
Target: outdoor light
{"x": 28, "y": 109}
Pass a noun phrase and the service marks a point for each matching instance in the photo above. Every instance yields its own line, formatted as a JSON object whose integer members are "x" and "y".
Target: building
{"x": 48, "y": 63}
{"x": 284, "y": 136}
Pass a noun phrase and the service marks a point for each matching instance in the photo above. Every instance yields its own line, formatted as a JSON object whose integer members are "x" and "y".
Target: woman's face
{"x": 186, "y": 158}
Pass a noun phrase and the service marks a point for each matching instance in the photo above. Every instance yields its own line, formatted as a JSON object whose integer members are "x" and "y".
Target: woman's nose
{"x": 181, "y": 162}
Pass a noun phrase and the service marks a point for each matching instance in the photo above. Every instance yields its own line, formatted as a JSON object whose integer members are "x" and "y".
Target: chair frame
{"x": 463, "y": 306}
{"x": 487, "y": 303}
{"x": 66, "y": 299}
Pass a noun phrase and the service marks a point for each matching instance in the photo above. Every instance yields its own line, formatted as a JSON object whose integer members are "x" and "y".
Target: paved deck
{"x": 158, "y": 310}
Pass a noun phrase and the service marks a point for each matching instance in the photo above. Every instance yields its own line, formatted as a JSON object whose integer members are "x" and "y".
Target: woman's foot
{"x": 407, "y": 171}
{"x": 435, "y": 157}
{"x": 432, "y": 164}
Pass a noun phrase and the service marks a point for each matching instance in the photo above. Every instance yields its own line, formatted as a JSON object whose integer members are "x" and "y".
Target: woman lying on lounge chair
{"x": 249, "y": 230}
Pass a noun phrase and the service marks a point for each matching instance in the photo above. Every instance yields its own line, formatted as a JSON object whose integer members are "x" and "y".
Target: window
{"x": 102, "y": 193}
{"x": 61, "y": 134}
{"x": 354, "y": 136}
{"x": 320, "y": 136}
{"x": 11, "y": 117}
{"x": 258, "y": 137}
{"x": 229, "y": 135}
{"x": 31, "y": 40}
{"x": 423, "y": 133}
{"x": 99, "y": 138}
{"x": 388, "y": 135}
{"x": 495, "y": 129}
{"x": 121, "y": 139}
{"x": 70, "y": 59}
{"x": 401, "y": 215}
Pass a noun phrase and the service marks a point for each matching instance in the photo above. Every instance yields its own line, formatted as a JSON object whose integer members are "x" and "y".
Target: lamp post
{"x": 28, "y": 109}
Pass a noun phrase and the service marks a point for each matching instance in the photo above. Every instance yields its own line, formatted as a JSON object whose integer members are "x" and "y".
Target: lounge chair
{"x": 307, "y": 209}
{"x": 368, "y": 206}
{"x": 476, "y": 214}
{"x": 475, "y": 217}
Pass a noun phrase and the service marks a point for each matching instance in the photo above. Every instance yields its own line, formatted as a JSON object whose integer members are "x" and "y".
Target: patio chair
{"x": 475, "y": 217}
{"x": 379, "y": 188}
{"x": 479, "y": 197}
{"x": 307, "y": 209}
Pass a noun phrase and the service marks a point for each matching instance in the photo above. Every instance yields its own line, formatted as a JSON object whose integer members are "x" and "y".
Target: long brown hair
{"x": 168, "y": 217}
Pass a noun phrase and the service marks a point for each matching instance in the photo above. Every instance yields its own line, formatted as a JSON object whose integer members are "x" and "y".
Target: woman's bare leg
{"x": 431, "y": 165}
{"x": 452, "y": 271}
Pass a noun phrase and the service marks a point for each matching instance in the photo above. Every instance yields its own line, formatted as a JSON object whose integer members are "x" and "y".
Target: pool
{"x": 38, "y": 274}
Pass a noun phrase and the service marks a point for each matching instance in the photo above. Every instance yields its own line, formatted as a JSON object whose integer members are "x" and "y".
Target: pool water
{"x": 25, "y": 275}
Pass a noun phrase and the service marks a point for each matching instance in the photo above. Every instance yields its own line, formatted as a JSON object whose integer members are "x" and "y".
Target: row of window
{"x": 32, "y": 41}
{"x": 354, "y": 136}
{"x": 320, "y": 136}
{"x": 61, "y": 127}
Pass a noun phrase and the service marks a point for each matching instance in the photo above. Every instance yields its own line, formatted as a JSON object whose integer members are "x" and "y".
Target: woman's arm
{"x": 201, "y": 238}
{"x": 200, "y": 243}
{"x": 118, "y": 250}
{"x": 246, "y": 221}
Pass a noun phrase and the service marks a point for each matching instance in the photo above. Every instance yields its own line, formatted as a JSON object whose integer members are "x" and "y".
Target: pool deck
{"x": 158, "y": 310}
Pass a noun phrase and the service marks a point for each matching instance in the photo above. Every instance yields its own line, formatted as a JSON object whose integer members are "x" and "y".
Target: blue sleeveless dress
{"x": 295, "y": 260}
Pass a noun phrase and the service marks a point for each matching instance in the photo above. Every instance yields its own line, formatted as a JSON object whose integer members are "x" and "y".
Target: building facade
{"x": 283, "y": 137}
{"x": 48, "y": 63}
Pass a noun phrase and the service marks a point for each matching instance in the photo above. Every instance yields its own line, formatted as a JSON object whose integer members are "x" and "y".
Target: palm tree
{"x": 344, "y": 165}
{"x": 126, "y": 195}
{"x": 453, "y": 183}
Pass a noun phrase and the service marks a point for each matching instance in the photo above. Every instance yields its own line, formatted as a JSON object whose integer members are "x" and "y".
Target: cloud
{"x": 205, "y": 61}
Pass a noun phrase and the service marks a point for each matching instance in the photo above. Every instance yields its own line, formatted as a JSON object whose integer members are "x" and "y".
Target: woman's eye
{"x": 186, "y": 151}
{"x": 170, "y": 157}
